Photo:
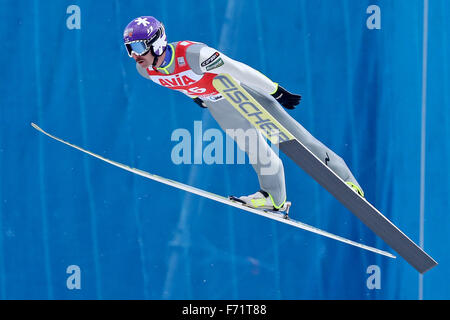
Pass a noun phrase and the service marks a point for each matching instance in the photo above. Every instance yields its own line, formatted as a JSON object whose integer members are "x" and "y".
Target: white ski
{"x": 280, "y": 217}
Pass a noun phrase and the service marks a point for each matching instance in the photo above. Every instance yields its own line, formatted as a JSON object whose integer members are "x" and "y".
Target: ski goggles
{"x": 138, "y": 47}
{"x": 142, "y": 47}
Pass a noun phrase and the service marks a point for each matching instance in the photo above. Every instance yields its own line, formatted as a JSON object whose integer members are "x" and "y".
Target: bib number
{"x": 197, "y": 90}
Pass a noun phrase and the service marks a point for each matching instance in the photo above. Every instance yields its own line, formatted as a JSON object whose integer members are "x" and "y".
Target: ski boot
{"x": 263, "y": 200}
{"x": 355, "y": 188}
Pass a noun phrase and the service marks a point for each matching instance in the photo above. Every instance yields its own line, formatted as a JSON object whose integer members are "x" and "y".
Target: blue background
{"x": 137, "y": 239}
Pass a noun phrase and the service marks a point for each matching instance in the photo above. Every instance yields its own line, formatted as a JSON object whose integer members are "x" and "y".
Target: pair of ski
{"x": 294, "y": 149}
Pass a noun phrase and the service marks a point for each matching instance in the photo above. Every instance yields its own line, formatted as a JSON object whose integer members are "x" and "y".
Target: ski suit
{"x": 191, "y": 68}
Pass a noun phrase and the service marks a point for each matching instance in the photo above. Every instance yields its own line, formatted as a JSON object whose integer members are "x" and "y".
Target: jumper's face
{"x": 144, "y": 60}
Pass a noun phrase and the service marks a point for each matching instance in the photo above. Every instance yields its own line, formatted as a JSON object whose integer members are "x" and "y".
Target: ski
{"x": 280, "y": 217}
{"x": 243, "y": 102}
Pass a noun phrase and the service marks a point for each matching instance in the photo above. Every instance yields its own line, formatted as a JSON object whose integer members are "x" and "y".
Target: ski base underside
{"x": 274, "y": 131}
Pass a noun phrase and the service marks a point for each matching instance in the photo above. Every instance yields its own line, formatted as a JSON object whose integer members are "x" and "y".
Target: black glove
{"x": 200, "y": 102}
{"x": 285, "y": 98}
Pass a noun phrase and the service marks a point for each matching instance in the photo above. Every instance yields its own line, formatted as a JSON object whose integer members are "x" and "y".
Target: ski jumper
{"x": 191, "y": 69}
